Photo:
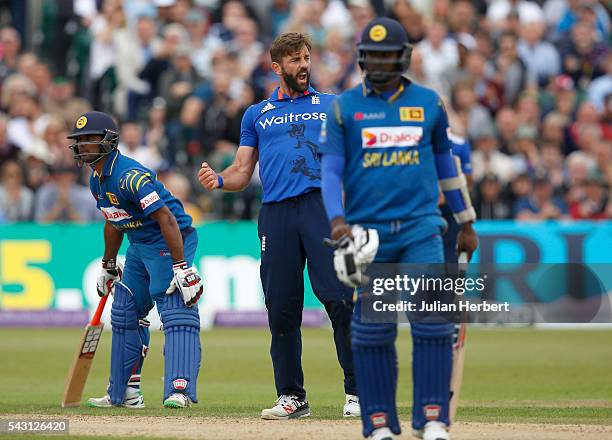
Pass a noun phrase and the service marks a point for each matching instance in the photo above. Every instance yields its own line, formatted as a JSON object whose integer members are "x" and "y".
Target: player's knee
{"x": 372, "y": 335}
{"x": 432, "y": 330}
{"x": 176, "y": 313}
{"x": 339, "y": 311}
{"x": 123, "y": 313}
{"x": 282, "y": 322}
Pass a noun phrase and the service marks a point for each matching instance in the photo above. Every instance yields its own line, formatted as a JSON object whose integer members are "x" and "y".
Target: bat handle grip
{"x": 95, "y": 319}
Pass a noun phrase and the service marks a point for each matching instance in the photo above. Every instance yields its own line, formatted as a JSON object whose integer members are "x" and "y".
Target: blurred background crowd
{"x": 529, "y": 83}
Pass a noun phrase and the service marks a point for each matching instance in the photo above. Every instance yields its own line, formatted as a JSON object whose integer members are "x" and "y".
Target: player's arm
{"x": 454, "y": 185}
{"x": 111, "y": 270}
{"x": 238, "y": 175}
{"x": 235, "y": 177}
{"x": 171, "y": 232}
{"x": 331, "y": 148}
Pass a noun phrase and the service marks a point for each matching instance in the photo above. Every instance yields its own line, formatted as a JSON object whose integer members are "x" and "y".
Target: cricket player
{"x": 158, "y": 267}
{"x": 385, "y": 143}
{"x": 282, "y": 133}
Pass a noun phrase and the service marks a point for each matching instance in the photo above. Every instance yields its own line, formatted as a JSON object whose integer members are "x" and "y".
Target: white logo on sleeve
{"x": 148, "y": 200}
{"x": 268, "y": 106}
{"x": 315, "y": 100}
{"x": 113, "y": 214}
{"x": 384, "y": 137}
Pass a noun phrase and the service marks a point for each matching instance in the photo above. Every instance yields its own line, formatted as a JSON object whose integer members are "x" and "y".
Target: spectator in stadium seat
{"x": 464, "y": 103}
{"x": 203, "y": 43}
{"x": 499, "y": 11}
{"x": 486, "y": 158}
{"x": 553, "y": 129}
{"x": 541, "y": 205}
{"x": 600, "y": 88}
{"x": 488, "y": 201}
{"x": 582, "y": 56}
{"x": 62, "y": 199}
{"x": 8, "y": 150}
{"x": 551, "y": 163}
{"x": 462, "y": 17}
{"x": 178, "y": 81}
{"x": 511, "y": 71}
{"x": 10, "y": 42}
{"x": 594, "y": 202}
{"x": 16, "y": 200}
{"x": 442, "y": 55}
{"x": 135, "y": 48}
{"x": 63, "y": 103}
{"x": 131, "y": 145}
{"x": 541, "y": 58}
{"x": 578, "y": 166}
{"x": 526, "y": 154}
{"x": 506, "y": 124}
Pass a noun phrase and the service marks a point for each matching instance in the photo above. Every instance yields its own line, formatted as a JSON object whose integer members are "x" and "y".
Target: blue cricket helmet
{"x": 99, "y": 123}
{"x": 384, "y": 35}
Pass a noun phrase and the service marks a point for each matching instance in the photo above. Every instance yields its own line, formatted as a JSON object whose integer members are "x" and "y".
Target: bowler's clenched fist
{"x": 208, "y": 177}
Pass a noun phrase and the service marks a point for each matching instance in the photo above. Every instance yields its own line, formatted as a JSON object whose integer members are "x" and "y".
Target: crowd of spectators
{"x": 529, "y": 83}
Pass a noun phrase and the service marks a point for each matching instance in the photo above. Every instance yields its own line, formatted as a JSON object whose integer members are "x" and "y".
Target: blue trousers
{"x": 291, "y": 233}
{"x": 148, "y": 270}
{"x": 416, "y": 241}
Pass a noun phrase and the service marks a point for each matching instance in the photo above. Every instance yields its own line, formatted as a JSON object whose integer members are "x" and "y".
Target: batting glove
{"x": 187, "y": 280}
{"x": 111, "y": 272}
{"x": 352, "y": 255}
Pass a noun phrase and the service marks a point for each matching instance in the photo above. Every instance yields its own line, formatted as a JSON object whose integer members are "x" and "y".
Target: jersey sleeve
{"x": 465, "y": 154}
{"x": 439, "y": 139}
{"x": 138, "y": 187}
{"x": 331, "y": 139}
{"x": 248, "y": 134}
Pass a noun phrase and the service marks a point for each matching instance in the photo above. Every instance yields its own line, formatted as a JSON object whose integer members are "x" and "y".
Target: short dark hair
{"x": 287, "y": 44}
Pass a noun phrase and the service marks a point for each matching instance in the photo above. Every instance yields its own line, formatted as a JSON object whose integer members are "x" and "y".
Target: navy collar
{"x": 278, "y": 95}
{"x": 109, "y": 165}
{"x": 367, "y": 89}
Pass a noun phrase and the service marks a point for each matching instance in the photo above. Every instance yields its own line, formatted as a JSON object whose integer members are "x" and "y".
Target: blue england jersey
{"x": 127, "y": 193}
{"x": 389, "y": 147}
{"x": 286, "y": 132}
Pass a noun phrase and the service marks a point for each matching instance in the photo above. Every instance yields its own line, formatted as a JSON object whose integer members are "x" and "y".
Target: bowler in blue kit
{"x": 158, "y": 268}
{"x": 385, "y": 144}
{"x": 282, "y": 133}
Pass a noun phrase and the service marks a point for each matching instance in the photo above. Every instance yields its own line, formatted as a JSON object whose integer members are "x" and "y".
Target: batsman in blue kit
{"x": 282, "y": 133}
{"x": 158, "y": 268}
{"x": 385, "y": 143}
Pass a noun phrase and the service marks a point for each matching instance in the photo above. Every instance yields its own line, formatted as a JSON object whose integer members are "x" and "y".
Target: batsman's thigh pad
{"x": 182, "y": 350}
{"x": 127, "y": 346}
{"x": 431, "y": 372}
{"x": 375, "y": 362}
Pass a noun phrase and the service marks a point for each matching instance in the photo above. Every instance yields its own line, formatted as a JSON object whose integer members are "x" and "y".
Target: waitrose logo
{"x": 289, "y": 118}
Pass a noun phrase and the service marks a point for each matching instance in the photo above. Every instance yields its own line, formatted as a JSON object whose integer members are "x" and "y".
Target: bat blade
{"x": 83, "y": 359}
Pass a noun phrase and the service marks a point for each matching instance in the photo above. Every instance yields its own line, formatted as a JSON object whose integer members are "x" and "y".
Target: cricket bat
{"x": 458, "y": 351}
{"x": 79, "y": 370}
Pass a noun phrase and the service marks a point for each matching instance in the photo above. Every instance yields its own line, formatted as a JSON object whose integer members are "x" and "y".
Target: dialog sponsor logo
{"x": 113, "y": 214}
{"x": 147, "y": 201}
{"x": 384, "y": 137}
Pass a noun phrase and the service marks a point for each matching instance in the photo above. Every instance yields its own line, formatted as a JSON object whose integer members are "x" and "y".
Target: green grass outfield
{"x": 512, "y": 374}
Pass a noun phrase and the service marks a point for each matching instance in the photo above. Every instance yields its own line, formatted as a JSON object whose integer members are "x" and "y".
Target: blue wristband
{"x": 220, "y": 181}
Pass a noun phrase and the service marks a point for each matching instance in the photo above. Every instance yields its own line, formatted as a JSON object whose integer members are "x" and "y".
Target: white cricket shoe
{"x": 433, "y": 430}
{"x": 287, "y": 407}
{"x": 381, "y": 434}
{"x": 351, "y": 406}
{"x": 177, "y": 400}
{"x": 133, "y": 399}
